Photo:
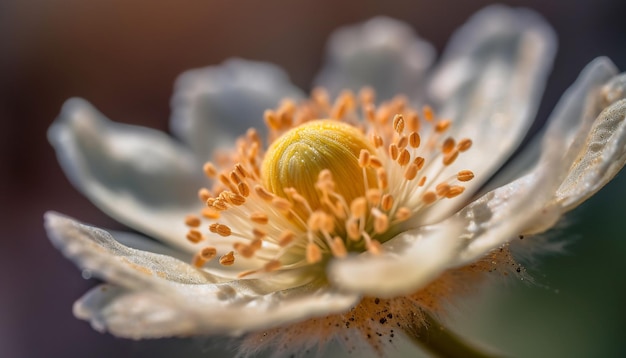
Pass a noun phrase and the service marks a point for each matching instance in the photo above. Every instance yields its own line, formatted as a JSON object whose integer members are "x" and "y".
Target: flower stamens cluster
{"x": 325, "y": 187}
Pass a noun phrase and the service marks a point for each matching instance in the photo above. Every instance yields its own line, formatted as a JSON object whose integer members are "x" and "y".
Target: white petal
{"x": 489, "y": 83}
{"x": 382, "y": 53}
{"x": 189, "y": 310}
{"x": 158, "y": 295}
{"x": 138, "y": 176}
{"x": 602, "y": 157}
{"x": 98, "y": 254}
{"x": 410, "y": 261}
{"x": 574, "y": 114}
{"x": 213, "y": 105}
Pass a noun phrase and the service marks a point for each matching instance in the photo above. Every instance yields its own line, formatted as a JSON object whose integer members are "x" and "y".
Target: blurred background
{"x": 124, "y": 55}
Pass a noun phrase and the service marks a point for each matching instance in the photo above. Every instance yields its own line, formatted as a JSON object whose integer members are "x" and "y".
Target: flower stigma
{"x": 333, "y": 179}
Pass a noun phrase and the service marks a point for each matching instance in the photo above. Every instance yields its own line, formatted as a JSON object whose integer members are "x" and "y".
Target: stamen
{"x": 259, "y": 218}
{"x": 194, "y": 236}
{"x": 204, "y": 194}
{"x": 192, "y": 221}
{"x": 313, "y": 253}
{"x": 205, "y": 255}
{"x": 209, "y": 170}
{"x": 414, "y": 140}
{"x": 386, "y": 202}
{"x": 302, "y": 192}
{"x": 227, "y": 259}
{"x": 465, "y": 175}
{"x": 398, "y": 123}
{"x": 464, "y": 144}
{"x": 338, "y": 248}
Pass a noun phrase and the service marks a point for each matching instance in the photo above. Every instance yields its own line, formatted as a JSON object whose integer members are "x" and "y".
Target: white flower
{"x": 307, "y": 252}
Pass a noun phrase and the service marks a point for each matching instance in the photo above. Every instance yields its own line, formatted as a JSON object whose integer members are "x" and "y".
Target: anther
{"x": 272, "y": 265}
{"x": 403, "y": 142}
{"x": 398, "y": 123}
{"x": 411, "y": 172}
{"x": 412, "y": 122}
{"x": 271, "y": 120}
{"x": 367, "y": 96}
{"x": 414, "y": 140}
{"x": 373, "y": 196}
{"x": 419, "y": 161}
{"x": 352, "y": 227}
{"x": 243, "y": 250}
{"x": 235, "y": 199}
{"x": 375, "y": 162}
{"x": 209, "y": 170}
{"x": 381, "y": 221}
{"x": 258, "y": 234}
{"x": 192, "y": 221}
{"x": 263, "y": 194}
{"x": 442, "y": 189}
{"x": 364, "y": 158}
{"x": 404, "y": 157}
{"x": 374, "y": 247}
{"x": 286, "y": 238}
{"x": 281, "y": 204}
{"x": 241, "y": 171}
{"x": 464, "y": 144}
{"x": 358, "y": 207}
{"x": 338, "y": 248}
{"x": 228, "y": 259}
{"x": 204, "y": 194}
{"x": 313, "y": 253}
{"x": 386, "y": 202}
{"x": 429, "y": 197}
{"x": 422, "y": 181}
{"x": 448, "y": 145}
{"x": 244, "y": 189}
{"x": 393, "y": 151}
{"x": 402, "y": 214}
{"x": 455, "y": 191}
{"x": 377, "y": 141}
{"x": 383, "y": 181}
{"x": 465, "y": 175}
{"x": 194, "y": 236}
{"x": 205, "y": 255}
{"x": 210, "y": 213}
{"x": 442, "y": 125}
{"x": 429, "y": 115}
{"x": 259, "y": 218}
{"x": 223, "y": 230}
{"x": 450, "y": 157}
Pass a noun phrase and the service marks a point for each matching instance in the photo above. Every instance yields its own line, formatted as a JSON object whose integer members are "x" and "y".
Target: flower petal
{"x": 574, "y": 114}
{"x": 213, "y": 105}
{"x": 382, "y": 53}
{"x": 410, "y": 261}
{"x": 490, "y": 82}
{"x": 602, "y": 157}
{"x": 193, "y": 310}
{"x": 138, "y": 176}
{"x": 157, "y": 295}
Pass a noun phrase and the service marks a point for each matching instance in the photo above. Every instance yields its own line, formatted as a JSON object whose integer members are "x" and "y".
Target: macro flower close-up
{"x": 357, "y": 212}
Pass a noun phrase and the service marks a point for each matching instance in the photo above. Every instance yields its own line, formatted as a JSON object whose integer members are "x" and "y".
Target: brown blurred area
{"x": 123, "y": 56}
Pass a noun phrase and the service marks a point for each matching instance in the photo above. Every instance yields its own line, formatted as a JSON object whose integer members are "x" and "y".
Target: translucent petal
{"x": 137, "y": 175}
{"x": 574, "y": 114}
{"x": 157, "y": 295}
{"x": 602, "y": 157}
{"x": 211, "y": 106}
{"x": 489, "y": 83}
{"x": 409, "y": 261}
{"x": 193, "y": 310}
{"x": 382, "y": 53}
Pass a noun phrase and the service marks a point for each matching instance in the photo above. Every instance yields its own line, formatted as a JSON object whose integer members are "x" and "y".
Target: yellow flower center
{"x": 326, "y": 187}
{"x": 296, "y": 159}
